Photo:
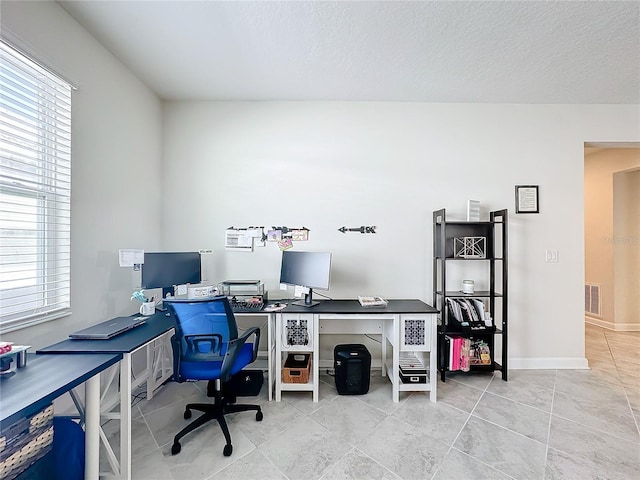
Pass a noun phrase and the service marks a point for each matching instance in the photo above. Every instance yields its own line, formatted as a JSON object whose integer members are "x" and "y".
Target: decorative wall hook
{"x": 280, "y": 233}
{"x": 363, "y": 229}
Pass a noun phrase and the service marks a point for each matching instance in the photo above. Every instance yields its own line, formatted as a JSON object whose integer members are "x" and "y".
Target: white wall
{"x": 626, "y": 251}
{"x": 327, "y": 164}
{"x": 322, "y": 165}
{"x": 116, "y": 150}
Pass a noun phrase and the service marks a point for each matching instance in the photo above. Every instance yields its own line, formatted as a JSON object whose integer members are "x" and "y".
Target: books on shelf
{"x": 372, "y": 301}
{"x": 465, "y": 352}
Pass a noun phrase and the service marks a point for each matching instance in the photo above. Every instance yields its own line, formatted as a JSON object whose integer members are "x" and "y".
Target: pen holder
{"x": 147, "y": 308}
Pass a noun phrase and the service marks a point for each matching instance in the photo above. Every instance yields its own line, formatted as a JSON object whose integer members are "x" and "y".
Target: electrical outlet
{"x": 551, "y": 256}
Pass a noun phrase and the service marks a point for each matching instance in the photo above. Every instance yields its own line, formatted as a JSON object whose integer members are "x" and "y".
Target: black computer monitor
{"x": 307, "y": 269}
{"x": 166, "y": 269}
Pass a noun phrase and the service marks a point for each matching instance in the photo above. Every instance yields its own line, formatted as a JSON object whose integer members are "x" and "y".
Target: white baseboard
{"x": 615, "y": 327}
{"x": 554, "y": 363}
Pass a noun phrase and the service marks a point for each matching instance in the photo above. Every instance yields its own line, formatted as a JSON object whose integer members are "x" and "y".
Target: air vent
{"x": 592, "y": 299}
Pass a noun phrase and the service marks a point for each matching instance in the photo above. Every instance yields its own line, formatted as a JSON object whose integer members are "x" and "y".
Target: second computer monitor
{"x": 306, "y": 269}
{"x": 168, "y": 269}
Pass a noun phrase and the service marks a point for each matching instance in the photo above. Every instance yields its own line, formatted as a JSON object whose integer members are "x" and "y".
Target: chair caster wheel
{"x": 175, "y": 449}
{"x": 228, "y": 450}
{"x": 187, "y": 414}
{"x": 259, "y": 417}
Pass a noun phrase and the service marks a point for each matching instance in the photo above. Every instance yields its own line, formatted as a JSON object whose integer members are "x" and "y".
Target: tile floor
{"x": 541, "y": 424}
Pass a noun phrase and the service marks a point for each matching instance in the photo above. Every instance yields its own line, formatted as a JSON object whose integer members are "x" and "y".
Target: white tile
{"x": 458, "y": 466}
{"x": 518, "y": 417}
{"x": 587, "y": 446}
{"x": 502, "y": 449}
{"x": 358, "y": 466}
{"x": 408, "y": 451}
{"x": 349, "y": 417}
{"x": 305, "y": 450}
{"x": 369, "y": 436}
{"x": 252, "y": 466}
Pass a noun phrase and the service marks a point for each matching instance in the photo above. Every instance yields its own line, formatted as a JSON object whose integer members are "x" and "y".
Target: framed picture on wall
{"x": 527, "y": 199}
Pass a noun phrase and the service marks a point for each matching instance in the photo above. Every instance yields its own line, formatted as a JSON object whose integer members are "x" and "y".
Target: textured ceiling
{"x": 431, "y": 51}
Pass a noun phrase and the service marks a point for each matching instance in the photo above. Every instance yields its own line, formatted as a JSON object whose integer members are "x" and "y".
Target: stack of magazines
{"x": 372, "y": 301}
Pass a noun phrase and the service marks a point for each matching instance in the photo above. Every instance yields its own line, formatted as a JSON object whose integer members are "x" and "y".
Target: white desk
{"x": 153, "y": 336}
{"x": 395, "y": 323}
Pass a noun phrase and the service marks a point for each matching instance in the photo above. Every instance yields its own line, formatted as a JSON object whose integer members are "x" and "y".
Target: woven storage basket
{"x": 25, "y": 442}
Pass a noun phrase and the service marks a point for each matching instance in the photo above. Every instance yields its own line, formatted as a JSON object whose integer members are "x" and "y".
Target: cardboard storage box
{"x": 297, "y": 368}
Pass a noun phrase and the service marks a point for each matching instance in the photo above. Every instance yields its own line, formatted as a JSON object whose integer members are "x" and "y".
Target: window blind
{"x": 35, "y": 192}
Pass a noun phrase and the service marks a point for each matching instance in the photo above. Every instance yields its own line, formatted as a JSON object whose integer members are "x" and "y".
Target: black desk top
{"x": 126, "y": 342}
{"x": 354, "y": 307}
{"x": 43, "y": 379}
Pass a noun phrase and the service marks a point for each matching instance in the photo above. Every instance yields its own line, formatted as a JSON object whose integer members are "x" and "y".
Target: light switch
{"x": 551, "y": 256}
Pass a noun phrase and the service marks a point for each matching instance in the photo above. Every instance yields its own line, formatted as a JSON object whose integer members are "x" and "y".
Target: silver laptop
{"x": 108, "y": 329}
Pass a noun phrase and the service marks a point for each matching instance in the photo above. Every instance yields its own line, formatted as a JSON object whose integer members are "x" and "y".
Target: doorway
{"x": 612, "y": 236}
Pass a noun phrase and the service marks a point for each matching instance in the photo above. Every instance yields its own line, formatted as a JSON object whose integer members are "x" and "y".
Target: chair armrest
{"x": 193, "y": 341}
{"x": 253, "y": 331}
{"x": 235, "y": 346}
{"x": 212, "y": 343}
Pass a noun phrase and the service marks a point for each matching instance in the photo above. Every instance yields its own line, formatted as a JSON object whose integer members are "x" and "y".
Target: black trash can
{"x": 352, "y": 367}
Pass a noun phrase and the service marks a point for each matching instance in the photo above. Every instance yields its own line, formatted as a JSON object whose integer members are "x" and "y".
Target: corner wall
{"x": 116, "y": 142}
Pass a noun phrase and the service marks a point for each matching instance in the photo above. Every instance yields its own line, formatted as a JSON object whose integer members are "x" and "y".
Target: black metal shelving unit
{"x": 495, "y": 233}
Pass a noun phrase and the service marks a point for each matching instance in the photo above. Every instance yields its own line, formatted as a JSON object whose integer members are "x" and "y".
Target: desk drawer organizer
{"x": 25, "y": 442}
{"x": 297, "y": 368}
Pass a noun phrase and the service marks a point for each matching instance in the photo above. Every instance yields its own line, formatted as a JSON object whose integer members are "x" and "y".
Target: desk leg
{"x": 278, "y": 372}
{"x": 270, "y": 347}
{"x": 92, "y": 428}
{"x": 315, "y": 358}
{"x": 433, "y": 358}
{"x": 125, "y": 417}
{"x": 151, "y": 384}
{"x": 383, "y": 351}
{"x": 395, "y": 364}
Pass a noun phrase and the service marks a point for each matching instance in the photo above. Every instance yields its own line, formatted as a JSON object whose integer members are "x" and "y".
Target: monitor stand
{"x": 303, "y": 303}
{"x": 307, "y": 302}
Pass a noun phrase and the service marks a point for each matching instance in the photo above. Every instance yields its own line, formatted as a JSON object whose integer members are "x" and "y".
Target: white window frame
{"x": 35, "y": 192}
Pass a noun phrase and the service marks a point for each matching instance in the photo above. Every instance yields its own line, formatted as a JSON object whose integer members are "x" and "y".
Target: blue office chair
{"x": 206, "y": 347}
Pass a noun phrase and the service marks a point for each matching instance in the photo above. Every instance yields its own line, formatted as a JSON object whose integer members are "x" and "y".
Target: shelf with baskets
{"x": 294, "y": 353}
{"x": 472, "y": 327}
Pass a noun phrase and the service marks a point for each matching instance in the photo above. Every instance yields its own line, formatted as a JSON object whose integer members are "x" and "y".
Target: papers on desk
{"x": 372, "y": 301}
{"x": 275, "y": 307}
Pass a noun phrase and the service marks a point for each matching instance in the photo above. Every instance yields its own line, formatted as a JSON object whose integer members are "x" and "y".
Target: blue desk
{"x": 153, "y": 335}
{"x": 44, "y": 379}
{"x": 126, "y": 342}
